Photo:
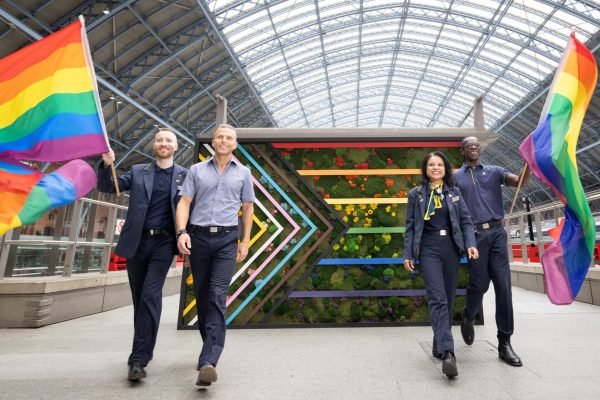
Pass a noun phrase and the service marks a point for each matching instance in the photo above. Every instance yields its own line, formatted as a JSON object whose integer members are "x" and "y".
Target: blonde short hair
{"x": 224, "y": 126}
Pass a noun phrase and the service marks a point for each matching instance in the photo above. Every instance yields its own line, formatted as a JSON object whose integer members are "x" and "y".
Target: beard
{"x": 163, "y": 153}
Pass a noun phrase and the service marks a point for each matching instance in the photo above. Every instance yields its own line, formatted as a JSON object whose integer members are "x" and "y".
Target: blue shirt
{"x": 217, "y": 198}
{"x": 159, "y": 214}
{"x": 481, "y": 187}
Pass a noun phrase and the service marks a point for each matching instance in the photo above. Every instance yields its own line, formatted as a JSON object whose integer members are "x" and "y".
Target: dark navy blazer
{"x": 139, "y": 181}
{"x": 462, "y": 228}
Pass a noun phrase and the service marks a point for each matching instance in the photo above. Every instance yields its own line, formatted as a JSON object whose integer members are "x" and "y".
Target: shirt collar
{"x": 465, "y": 166}
{"x": 212, "y": 161}
{"x": 159, "y": 170}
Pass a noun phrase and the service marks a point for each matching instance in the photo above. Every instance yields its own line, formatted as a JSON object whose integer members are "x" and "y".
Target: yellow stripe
{"x": 189, "y": 307}
{"x": 381, "y": 200}
{"x": 262, "y": 230}
{"x": 16, "y": 222}
{"x": 69, "y": 80}
{"x": 577, "y": 114}
{"x": 567, "y": 85}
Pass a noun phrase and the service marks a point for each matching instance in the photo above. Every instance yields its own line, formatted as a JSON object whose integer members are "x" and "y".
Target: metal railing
{"x": 26, "y": 255}
{"x": 543, "y": 218}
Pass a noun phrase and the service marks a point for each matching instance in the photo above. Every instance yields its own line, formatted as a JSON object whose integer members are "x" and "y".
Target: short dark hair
{"x": 448, "y": 175}
{"x": 466, "y": 140}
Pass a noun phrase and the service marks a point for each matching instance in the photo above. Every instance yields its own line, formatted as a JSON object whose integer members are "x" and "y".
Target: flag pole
{"x": 521, "y": 177}
{"x": 114, "y": 175}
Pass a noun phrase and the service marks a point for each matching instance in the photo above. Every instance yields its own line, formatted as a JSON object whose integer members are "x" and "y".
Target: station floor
{"x": 86, "y": 359}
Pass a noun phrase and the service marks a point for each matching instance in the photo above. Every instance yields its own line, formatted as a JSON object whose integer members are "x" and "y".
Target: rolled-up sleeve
{"x": 189, "y": 184}
{"x": 247, "y": 194}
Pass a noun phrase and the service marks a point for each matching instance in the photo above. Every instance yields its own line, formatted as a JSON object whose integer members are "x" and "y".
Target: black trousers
{"x": 147, "y": 272}
{"x": 213, "y": 257}
{"x": 493, "y": 265}
{"x": 439, "y": 262}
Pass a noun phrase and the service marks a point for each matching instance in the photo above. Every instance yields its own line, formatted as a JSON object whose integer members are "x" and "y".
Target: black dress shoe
{"x": 508, "y": 355}
{"x": 206, "y": 375}
{"x": 449, "y": 365}
{"x": 136, "y": 372}
{"x": 434, "y": 352}
{"x": 467, "y": 330}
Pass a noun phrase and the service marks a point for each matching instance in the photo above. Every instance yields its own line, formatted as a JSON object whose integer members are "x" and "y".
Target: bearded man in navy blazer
{"x": 147, "y": 239}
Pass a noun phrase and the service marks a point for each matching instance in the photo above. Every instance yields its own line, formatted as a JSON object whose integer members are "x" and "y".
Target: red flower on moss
{"x": 309, "y": 164}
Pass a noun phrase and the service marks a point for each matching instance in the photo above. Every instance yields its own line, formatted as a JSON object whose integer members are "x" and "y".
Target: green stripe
{"x": 60, "y": 103}
{"x": 36, "y": 204}
{"x": 561, "y": 110}
{"x": 379, "y": 229}
{"x": 577, "y": 202}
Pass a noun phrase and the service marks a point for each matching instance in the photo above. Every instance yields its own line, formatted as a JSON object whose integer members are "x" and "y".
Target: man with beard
{"x": 216, "y": 188}
{"x": 481, "y": 187}
{"x": 147, "y": 239}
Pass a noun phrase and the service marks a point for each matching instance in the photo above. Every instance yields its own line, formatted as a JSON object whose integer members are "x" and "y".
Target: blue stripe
{"x": 15, "y": 169}
{"x": 542, "y": 149}
{"x": 576, "y": 255}
{"x": 57, "y": 127}
{"x": 59, "y": 189}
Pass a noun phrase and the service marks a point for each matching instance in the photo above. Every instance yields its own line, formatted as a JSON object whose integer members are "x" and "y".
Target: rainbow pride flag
{"x": 550, "y": 153}
{"x": 49, "y": 111}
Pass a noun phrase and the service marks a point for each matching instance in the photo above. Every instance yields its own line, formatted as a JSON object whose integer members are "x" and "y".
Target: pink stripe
{"x": 80, "y": 174}
{"x": 555, "y": 275}
{"x": 64, "y": 149}
{"x": 275, "y": 251}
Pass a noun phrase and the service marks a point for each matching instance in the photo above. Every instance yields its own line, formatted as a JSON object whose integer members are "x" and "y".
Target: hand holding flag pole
{"x": 109, "y": 159}
{"x": 521, "y": 177}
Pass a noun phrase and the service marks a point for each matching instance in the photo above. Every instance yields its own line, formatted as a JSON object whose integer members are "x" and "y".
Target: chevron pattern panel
{"x": 327, "y": 237}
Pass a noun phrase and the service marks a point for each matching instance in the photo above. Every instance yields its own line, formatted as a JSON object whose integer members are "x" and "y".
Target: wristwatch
{"x": 180, "y": 232}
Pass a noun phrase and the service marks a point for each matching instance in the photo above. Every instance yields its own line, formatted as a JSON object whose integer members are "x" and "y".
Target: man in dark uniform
{"x": 481, "y": 187}
{"x": 147, "y": 239}
{"x": 216, "y": 188}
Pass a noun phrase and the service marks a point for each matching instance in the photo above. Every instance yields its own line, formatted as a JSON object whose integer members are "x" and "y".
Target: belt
{"x": 441, "y": 232}
{"x": 487, "y": 225}
{"x": 210, "y": 229}
{"x": 153, "y": 232}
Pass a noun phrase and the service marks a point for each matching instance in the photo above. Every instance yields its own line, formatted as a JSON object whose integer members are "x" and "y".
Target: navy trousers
{"x": 491, "y": 265}
{"x": 147, "y": 272}
{"x": 439, "y": 263}
{"x": 212, "y": 257}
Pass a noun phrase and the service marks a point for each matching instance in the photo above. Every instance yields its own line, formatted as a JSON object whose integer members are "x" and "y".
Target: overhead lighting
{"x": 106, "y": 11}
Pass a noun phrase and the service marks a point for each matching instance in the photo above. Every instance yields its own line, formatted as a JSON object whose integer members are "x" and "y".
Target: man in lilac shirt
{"x": 214, "y": 190}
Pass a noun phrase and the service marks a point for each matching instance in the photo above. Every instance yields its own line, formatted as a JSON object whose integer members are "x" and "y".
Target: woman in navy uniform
{"x": 438, "y": 231}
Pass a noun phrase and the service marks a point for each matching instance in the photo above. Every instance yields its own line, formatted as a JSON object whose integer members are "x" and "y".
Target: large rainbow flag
{"x": 550, "y": 153}
{"x": 49, "y": 111}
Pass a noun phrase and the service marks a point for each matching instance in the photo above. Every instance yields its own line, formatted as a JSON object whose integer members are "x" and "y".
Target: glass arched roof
{"x": 412, "y": 63}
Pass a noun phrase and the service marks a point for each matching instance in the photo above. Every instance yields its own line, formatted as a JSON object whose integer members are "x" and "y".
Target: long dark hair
{"x": 448, "y": 176}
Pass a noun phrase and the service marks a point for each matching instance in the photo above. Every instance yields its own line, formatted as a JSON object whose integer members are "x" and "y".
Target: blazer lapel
{"x": 176, "y": 180}
{"x": 149, "y": 179}
{"x": 421, "y": 201}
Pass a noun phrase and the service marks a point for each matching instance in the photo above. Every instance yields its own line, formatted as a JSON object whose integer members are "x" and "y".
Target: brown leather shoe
{"x": 206, "y": 375}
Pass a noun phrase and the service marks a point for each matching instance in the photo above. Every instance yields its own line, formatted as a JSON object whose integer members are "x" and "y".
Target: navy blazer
{"x": 463, "y": 231}
{"x": 139, "y": 181}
